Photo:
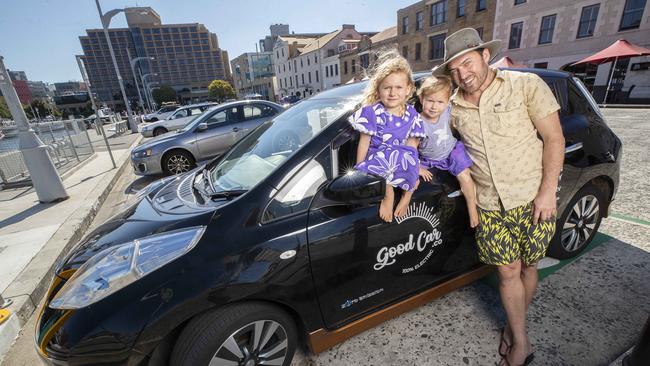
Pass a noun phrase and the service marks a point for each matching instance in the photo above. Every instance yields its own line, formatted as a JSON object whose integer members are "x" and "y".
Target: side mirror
{"x": 356, "y": 187}
{"x": 202, "y": 126}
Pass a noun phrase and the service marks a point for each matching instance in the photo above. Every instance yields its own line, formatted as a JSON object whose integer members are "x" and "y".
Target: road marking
{"x": 630, "y": 220}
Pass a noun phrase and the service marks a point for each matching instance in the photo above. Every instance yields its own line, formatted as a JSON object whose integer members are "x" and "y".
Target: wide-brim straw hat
{"x": 462, "y": 42}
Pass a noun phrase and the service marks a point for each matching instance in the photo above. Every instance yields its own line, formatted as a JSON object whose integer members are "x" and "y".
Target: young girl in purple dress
{"x": 390, "y": 132}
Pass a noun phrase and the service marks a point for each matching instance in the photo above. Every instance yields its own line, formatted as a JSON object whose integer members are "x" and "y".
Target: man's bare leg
{"x": 530, "y": 279}
{"x": 386, "y": 206}
{"x": 513, "y": 297}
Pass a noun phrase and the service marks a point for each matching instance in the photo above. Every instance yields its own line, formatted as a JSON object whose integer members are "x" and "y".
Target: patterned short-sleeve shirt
{"x": 502, "y": 140}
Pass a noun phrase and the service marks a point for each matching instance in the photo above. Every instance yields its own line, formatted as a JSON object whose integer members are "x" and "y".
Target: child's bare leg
{"x": 403, "y": 204}
{"x": 469, "y": 191}
{"x": 386, "y": 206}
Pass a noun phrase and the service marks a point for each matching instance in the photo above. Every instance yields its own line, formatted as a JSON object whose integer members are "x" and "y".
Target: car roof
{"x": 246, "y": 101}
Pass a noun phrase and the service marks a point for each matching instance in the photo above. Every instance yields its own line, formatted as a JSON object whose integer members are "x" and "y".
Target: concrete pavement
{"x": 33, "y": 236}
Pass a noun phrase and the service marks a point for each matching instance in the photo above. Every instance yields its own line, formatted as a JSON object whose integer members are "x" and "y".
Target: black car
{"x": 239, "y": 260}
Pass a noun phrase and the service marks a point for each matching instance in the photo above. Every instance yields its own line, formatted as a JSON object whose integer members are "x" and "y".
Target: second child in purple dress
{"x": 440, "y": 149}
{"x": 390, "y": 132}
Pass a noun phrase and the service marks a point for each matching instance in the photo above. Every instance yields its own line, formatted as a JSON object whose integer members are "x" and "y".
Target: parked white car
{"x": 160, "y": 114}
{"x": 178, "y": 119}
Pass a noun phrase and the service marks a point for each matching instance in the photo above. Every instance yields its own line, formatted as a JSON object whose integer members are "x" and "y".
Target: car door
{"x": 360, "y": 263}
{"x": 254, "y": 115}
{"x": 222, "y": 132}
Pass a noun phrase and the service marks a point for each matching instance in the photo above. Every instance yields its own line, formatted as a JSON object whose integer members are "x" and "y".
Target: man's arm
{"x": 545, "y": 203}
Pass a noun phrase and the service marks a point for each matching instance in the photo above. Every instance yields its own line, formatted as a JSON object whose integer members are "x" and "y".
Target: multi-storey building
{"x": 355, "y": 63}
{"x": 69, "y": 87}
{"x": 423, "y": 27}
{"x": 266, "y": 44}
{"x": 19, "y": 81}
{"x": 306, "y": 65}
{"x": 253, "y": 75}
{"x": 186, "y": 57}
{"x": 555, "y": 34}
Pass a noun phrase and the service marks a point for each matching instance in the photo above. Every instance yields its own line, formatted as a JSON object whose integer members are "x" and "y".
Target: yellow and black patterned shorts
{"x": 504, "y": 236}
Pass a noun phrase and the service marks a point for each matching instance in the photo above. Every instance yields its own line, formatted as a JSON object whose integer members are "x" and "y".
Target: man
{"x": 499, "y": 115}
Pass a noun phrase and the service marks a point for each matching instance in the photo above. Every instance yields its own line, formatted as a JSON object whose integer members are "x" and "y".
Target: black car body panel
{"x": 327, "y": 264}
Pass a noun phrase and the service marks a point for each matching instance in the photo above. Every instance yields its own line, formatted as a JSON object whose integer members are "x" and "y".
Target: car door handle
{"x": 572, "y": 148}
{"x": 235, "y": 129}
{"x": 455, "y": 194}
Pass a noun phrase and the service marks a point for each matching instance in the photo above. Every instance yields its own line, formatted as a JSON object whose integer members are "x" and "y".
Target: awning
{"x": 619, "y": 49}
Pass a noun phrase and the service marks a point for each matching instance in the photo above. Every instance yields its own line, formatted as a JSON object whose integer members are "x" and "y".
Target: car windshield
{"x": 267, "y": 147}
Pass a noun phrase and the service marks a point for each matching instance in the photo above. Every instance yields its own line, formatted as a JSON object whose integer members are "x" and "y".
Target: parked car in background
{"x": 160, "y": 114}
{"x": 205, "y": 137}
{"x": 278, "y": 243}
{"x": 289, "y": 100}
{"x": 177, "y": 119}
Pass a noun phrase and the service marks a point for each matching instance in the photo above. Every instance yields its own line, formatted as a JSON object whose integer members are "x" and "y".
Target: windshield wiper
{"x": 207, "y": 181}
{"x": 229, "y": 194}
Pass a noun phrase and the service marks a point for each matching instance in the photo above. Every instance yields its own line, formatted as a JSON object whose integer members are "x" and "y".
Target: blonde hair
{"x": 388, "y": 62}
{"x": 434, "y": 84}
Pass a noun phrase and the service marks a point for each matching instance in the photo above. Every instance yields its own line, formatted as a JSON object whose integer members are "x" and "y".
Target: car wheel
{"x": 578, "y": 224}
{"x": 177, "y": 162}
{"x": 159, "y": 131}
{"x": 241, "y": 334}
{"x": 286, "y": 141}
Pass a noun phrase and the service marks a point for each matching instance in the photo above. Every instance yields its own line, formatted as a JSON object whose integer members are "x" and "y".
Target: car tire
{"x": 578, "y": 224}
{"x": 247, "y": 333}
{"x": 177, "y": 162}
{"x": 159, "y": 131}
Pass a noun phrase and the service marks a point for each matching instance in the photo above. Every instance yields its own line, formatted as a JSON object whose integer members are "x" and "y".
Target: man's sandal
{"x": 503, "y": 341}
{"x": 527, "y": 361}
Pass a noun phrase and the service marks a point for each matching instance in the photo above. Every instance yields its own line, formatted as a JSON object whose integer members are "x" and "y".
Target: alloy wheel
{"x": 580, "y": 223}
{"x": 263, "y": 342}
{"x": 178, "y": 164}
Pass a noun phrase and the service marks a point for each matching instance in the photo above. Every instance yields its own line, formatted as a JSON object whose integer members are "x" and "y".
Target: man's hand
{"x": 544, "y": 206}
{"x": 425, "y": 174}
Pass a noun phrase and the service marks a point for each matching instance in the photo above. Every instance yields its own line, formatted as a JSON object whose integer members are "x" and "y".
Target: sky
{"x": 41, "y": 37}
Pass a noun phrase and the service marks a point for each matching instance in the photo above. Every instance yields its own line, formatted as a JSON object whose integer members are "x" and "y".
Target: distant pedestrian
{"x": 390, "y": 132}
{"x": 499, "y": 115}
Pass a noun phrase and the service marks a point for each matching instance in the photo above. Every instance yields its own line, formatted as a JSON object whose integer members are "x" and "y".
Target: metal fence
{"x": 68, "y": 144}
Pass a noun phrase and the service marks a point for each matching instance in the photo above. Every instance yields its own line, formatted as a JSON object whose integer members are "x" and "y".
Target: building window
{"x": 419, "y": 20}
{"x": 284, "y": 67}
{"x": 418, "y": 51}
{"x": 405, "y": 25}
{"x": 460, "y": 8}
{"x": 277, "y": 53}
{"x": 438, "y": 12}
{"x": 296, "y": 80}
{"x": 515, "y": 35}
{"x": 307, "y": 61}
{"x": 289, "y": 66}
{"x": 295, "y": 68}
{"x": 327, "y": 72}
{"x": 345, "y": 67}
{"x": 364, "y": 61}
{"x": 302, "y": 76}
{"x": 541, "y": 65}
{"x": 518, "y": 2}
{"x": 354, "y": 67}
{"x": 632, "y": 14}
{"x": 481, "y": 5}
{"x": 336, "y": 69}
{"x": 405, "y": 52}
{"x": 283, "y": 52}
{"x": 290, "y": 82}
{"x": 309, "y": 77}
{"x": 331, "y": 70}
{"x": 546, "y": 29}
{"x": 588, "y": 21}
{"x": 301, "y": 64}
{"x": 480, "y": 31}
{"x": 315, "y": 58}
{"x": 437, "y": 46}
{"x": 316, "y": 75}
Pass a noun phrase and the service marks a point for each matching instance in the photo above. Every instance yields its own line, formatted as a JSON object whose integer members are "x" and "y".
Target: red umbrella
{"x": 620, "y": 49}
{"x": 506, "y": 61}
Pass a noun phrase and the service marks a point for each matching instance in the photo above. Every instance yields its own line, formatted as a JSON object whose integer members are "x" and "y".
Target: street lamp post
{"x": 98, "y": 121}
{"x": 146, "y": 95}
{"x": 133, "y": 62}
{"x": 147, "y": 89}
{"x": 106, "y": 20}
{"x": 45, "y": 178}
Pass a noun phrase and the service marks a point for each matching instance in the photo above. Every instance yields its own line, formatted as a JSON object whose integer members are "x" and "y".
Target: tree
{"x": 164, "y": 93}
{"x": 4, "y": 109}
{"x": 221, "y": 90}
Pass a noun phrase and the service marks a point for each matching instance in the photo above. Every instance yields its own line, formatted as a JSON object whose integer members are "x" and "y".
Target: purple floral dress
{"x": 388, "y": 155}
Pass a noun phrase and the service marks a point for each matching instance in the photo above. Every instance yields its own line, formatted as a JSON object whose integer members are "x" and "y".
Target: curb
{"x": 38, "y": 273}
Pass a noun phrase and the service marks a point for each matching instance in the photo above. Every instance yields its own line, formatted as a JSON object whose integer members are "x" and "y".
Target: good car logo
{"x": 424, "y": 241}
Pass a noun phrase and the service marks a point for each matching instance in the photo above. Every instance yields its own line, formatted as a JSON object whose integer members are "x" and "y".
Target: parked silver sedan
{"x": 206, "y": 136}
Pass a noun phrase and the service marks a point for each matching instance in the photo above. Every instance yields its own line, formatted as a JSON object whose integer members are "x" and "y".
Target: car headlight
{"x": 115, "y": 268}
{"x": 142, "y": 153}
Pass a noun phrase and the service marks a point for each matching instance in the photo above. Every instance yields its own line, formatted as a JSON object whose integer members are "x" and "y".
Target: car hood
{"x": 168, "y": 206}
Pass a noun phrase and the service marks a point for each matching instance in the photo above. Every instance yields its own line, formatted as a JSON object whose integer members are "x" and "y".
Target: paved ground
{"x": 587, "y": 313}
